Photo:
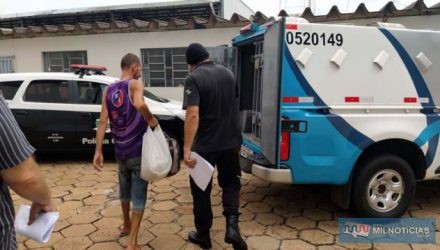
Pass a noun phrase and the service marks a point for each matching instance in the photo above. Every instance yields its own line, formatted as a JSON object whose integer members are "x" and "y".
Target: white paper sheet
{"x": 41, "y": 229}
{"x": 202, "y": 172}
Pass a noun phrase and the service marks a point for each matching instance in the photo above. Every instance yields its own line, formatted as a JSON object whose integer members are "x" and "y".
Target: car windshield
{"x": 154, "y": 97}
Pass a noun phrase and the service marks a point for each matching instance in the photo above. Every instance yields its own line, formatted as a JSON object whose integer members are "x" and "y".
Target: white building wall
{"x": 410, "y": 22}
{"x": 297, "y": 7}
{"x": 236, "y": 6}
{"x": 108, "y": 49}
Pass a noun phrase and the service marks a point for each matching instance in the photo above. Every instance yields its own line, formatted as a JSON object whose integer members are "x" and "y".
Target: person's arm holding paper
{"x": 19, "y": 172}
{"x": 191, "y": 126}
{"x": 26, "y": 180}
{"x": 191, "y": 104}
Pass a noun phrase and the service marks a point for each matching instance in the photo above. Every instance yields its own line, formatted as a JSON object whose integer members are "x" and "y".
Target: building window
{"x": 60, "y": 61}
{"x": 164, "y": 67}
{"x": 167, "y": 67}
{"x": 7, "y": 64}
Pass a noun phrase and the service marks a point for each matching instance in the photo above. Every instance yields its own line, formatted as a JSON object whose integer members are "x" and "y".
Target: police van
{"x": 60, "y": 111}
{"x": 350, "y": 106}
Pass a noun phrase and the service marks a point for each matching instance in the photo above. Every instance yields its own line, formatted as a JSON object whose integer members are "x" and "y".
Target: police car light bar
{"x": 82, "y": 69}
{"x": 248, "y": 28}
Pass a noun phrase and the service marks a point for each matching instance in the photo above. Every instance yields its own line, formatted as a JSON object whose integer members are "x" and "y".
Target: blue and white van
{"x": 354, "y": 107}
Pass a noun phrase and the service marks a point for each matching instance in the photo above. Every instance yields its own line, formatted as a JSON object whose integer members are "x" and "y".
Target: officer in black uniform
{"x": 212, "y": 130}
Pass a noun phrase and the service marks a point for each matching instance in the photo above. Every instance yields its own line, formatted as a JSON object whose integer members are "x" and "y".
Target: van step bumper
{"x": 272, "y": 175}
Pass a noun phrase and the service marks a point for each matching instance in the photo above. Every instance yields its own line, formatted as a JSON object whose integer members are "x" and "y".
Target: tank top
{"x": 126, "y": 123}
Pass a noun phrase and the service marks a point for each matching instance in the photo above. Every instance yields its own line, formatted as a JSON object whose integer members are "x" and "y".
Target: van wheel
{"x": 383, "y": 187}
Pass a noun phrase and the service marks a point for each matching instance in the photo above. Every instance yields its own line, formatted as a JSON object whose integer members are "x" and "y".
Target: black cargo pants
{"x": 228, "y": 169}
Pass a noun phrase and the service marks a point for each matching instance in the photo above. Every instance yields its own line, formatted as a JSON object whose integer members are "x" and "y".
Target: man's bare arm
{"x": 137, "y": 90}
{"x": 103, "y": 118}
{"x": 98, "y": 159}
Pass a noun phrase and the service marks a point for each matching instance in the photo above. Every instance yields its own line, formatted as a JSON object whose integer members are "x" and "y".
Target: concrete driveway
{"x": 273, "y": 216}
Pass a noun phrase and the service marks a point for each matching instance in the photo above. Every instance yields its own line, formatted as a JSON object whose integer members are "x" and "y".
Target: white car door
{"x": 88, "y": 99}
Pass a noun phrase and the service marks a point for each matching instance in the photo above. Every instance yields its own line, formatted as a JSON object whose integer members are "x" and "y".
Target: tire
{"x": 179, "y": 142}
{"x": 371, "y": 192}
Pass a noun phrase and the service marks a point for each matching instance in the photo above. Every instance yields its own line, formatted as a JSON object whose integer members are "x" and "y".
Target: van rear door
{"x": 270, "y": 93}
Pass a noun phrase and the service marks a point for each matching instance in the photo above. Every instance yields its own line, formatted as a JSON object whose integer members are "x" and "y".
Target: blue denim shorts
{"x": 131, "y": 186}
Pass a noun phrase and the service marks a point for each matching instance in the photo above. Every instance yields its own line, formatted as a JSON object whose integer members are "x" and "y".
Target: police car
{"x": 60, "y": 111}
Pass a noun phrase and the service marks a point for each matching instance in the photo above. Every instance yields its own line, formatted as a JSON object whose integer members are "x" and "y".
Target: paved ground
{"x": 273, "y": 216}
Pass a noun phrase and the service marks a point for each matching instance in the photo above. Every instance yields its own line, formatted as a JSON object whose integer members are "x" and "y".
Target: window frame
{"x": 20, "y": 83}
{"x": 168, "y": 66}
{"x": 70, "y": 91}
{"x": 223, "y": 55}
{"x": 76, "y": 90}
{"x": 11, "y": 60}
{"x": 66, "y": 60}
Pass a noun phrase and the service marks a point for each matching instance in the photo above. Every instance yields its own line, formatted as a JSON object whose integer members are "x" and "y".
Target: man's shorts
{"x": 131, "y": 186}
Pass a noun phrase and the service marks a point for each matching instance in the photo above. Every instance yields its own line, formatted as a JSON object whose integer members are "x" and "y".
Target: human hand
{"x": 98, "y": 161}
{"x": 191, "y": 163}
{"x": 152, "y": 122}
{"x": 37, "y": 208}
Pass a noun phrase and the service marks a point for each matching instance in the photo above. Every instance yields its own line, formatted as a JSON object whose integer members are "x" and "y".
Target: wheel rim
{"x": 385, "y": 190}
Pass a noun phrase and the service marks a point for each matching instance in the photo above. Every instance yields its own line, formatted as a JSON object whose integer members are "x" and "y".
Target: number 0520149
{"x": 314, "y": 38}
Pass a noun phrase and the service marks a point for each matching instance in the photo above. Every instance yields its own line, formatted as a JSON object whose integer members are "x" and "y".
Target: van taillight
{"x": 285, "y": 146}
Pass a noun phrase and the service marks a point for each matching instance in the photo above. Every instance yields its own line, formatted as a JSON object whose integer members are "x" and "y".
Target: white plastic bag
{"x": 156, "y": 157}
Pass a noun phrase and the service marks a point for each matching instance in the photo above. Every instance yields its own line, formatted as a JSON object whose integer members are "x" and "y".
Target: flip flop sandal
{"x": 123, "y": 234}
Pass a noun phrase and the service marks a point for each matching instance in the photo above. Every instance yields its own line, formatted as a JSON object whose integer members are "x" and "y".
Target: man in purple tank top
{"x": 124, "y": 107}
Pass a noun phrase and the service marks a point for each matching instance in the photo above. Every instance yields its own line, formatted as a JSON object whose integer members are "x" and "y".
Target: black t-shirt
{"x": 212, "y": 88}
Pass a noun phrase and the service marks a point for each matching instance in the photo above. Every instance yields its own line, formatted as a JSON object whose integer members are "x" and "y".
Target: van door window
{"x": 226, "y": 56}
{"x": 8, "y": 89}
{"x": 49, "y": 91}
{"x": 257, "y": 98}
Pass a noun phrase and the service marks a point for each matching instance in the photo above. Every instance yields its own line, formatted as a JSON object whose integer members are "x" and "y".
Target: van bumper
{"x": 272, "y": 175}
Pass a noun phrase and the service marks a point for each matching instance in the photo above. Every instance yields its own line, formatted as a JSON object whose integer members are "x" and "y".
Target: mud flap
{"x": 340, "y": 195}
